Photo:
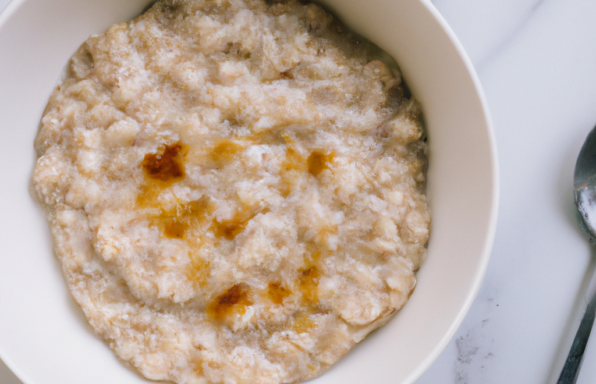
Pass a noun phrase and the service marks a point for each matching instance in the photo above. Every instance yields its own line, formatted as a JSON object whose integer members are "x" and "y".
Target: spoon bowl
{"x": 584, "y": 184}
{"x": 584, "y": 192}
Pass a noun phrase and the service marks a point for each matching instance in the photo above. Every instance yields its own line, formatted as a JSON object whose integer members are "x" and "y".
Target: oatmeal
{"x": 235, "y": 189}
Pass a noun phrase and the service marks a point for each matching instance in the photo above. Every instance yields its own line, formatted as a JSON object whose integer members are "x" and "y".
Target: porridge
{"x": 235, "y": 189}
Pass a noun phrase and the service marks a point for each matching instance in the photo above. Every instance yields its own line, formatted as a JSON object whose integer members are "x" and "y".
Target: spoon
{"x": 584, "y": 191}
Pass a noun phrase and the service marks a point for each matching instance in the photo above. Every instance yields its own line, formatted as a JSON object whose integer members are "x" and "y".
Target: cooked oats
{"x": 235, "y": 189}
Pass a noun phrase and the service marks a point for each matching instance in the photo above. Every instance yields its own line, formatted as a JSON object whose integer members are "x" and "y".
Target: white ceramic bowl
{"x": 44, "y": 337}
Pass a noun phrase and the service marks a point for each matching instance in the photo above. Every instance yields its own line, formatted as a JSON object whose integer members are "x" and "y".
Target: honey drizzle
{"x": 318, "y": 161}
{"x": 294, "y": 162}
{"x": 309, "y": 283}
{"x": 302, "y": 323}
{"x": 229, "y": 229}
{"x": 224, "y": 152}
{"x": 198, "y": 270}
{"x": 162, "y": 169}
{"x": 233, "y": 301}
{"x": 167, "y": 164}
{"x": 175, "y": 223}
{"x": 277, "y": 293}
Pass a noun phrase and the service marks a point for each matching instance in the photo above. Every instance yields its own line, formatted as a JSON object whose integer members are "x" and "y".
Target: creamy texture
{"x": 235, "y": 189}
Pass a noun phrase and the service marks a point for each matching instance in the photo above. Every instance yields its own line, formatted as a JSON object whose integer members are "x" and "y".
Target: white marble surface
{"x": 537, "y": 62}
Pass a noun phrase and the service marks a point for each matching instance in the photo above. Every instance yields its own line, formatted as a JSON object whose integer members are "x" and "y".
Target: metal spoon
{"x": 584, "y": 191}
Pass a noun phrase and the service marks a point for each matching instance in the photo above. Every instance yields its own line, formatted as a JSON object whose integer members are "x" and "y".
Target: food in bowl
{"x": 235, "y": 189}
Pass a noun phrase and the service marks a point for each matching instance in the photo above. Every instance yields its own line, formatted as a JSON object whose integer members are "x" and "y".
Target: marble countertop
{"x": 536, "y": 60}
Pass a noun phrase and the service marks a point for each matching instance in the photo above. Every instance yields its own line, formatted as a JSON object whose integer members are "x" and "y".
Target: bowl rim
{"x": 494, "y": 208}
{"x": 484, "y": 258}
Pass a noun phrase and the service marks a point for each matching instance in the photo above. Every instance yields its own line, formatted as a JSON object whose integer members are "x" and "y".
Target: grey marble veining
{"x": 484, "y": 27}
{"x": 6, "y": 376}
{"x": 3, "y": 4}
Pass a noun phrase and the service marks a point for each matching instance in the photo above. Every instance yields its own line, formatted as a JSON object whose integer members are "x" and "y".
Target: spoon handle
{"x": 576, "y": 354}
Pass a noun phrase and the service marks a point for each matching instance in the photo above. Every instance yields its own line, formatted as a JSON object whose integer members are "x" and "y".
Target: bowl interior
{"x": 44, "y": 336}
